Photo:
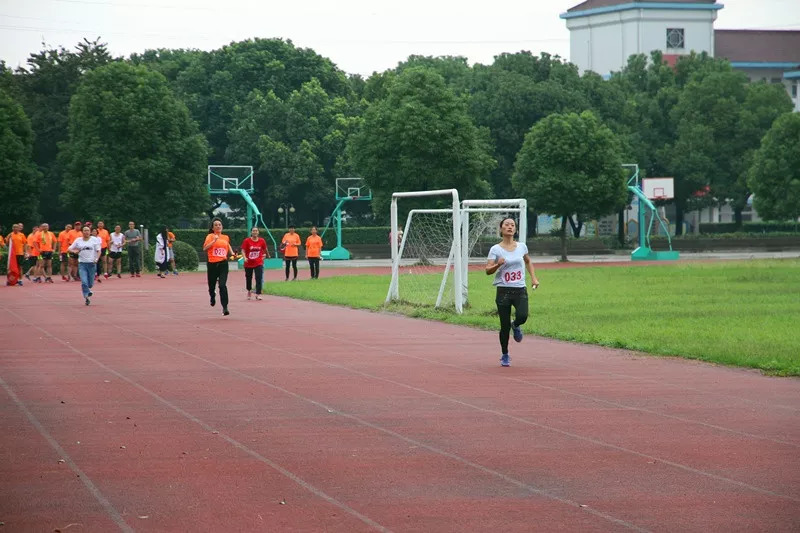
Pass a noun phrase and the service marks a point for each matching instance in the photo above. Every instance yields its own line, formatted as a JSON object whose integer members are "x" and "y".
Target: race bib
{"x": 514, "y": 275}
{"x": 254, "y": 254}
{"x": 220, "y": 252}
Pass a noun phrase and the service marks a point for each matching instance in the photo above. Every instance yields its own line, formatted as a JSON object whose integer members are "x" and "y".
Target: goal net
{"x": 431, "y": 258}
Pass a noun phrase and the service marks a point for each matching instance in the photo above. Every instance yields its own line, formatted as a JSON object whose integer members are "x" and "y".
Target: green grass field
{"x": 734, "y": 313}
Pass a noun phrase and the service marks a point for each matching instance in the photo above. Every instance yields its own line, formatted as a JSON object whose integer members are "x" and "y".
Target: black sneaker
{"x": 87, "y": 301}
{"x": 90, "y": 294}
{"x": 213, "y": 300}
{"x": 225, "y": 312}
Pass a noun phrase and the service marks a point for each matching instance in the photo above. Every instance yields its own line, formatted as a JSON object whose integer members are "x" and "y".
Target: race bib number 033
{"x": 515, "y": 275}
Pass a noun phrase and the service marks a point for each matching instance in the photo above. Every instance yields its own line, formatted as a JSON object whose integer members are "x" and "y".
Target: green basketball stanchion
{"x": 238, "y": 180}
{"x": 347, "y": 190}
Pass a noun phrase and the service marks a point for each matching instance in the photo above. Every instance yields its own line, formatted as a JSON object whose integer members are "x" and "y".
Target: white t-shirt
{"x": 87, "y": 250}
{"x": 116, "y": 242}
{"x": 512, "y": 272}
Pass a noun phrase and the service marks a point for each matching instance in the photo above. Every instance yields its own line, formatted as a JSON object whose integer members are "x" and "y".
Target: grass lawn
{"x": 735, "y": 313}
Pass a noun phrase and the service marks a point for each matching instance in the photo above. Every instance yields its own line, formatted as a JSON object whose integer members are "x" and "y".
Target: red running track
{"x": 149, "y": 411}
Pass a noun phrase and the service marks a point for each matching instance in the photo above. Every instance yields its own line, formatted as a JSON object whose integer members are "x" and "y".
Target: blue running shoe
{"x": 517, "y": 333}
{"x": 505, "y": 360}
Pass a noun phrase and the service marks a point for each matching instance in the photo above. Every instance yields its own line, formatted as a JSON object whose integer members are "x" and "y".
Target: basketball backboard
{"x": 659, "y": 188}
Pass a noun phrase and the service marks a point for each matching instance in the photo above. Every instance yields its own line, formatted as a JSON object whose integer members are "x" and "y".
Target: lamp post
{"x": 285, "y": 209}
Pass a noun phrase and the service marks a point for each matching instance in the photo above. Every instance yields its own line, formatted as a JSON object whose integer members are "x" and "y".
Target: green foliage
{"x": 420, "y": 137}
{"x": 721, "y": 119}
{"x": 570, "y": 164}
{"x": 751, "y": 323}
{"x": 20, "y": 183}
{"x": 46, "y": 86}
{"x": 186, "y": 257}
{"x": 775, "y": 173}
{"x": 133, "y": 151}
{"x": 214, "y": 83}
{"x": 297, "y": 146}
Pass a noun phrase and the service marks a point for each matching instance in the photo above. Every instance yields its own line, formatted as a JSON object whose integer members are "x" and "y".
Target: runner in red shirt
{"x": 254, "y": 249}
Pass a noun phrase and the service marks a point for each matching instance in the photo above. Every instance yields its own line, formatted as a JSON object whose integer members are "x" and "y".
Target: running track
{"x": 148, "y": 411}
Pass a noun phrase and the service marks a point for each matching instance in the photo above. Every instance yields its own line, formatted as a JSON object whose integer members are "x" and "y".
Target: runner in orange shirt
{"x": 171, "y": 252}
{"x": 63, "y": 243}
{"x": 102, "y": 265}
{"x": 290, "y": 245}
{"x": 77, "y": 232}
{"x": 314, "y": 252}
{"x": 218, "y": 247}
{"x": 45, "y": 243}
{"x": 19, "y": 246}
{"x": 33, "y": 258}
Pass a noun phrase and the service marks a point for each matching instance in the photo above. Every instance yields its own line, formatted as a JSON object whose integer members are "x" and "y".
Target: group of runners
{"x": 90, "y": 253}
{"x": 254, "y": 250}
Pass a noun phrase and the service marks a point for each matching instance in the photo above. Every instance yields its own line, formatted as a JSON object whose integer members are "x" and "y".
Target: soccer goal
{"x": 426, "y": 253}
{"x": 431, "y": 257}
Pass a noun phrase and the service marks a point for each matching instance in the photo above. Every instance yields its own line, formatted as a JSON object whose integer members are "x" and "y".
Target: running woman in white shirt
{"x": 508, "y": 261}
{"x": 88, "y": 250}
{"x": 115, "y": 251}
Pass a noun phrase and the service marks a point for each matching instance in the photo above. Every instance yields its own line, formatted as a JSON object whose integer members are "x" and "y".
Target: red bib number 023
{"x": 515, "y": 275}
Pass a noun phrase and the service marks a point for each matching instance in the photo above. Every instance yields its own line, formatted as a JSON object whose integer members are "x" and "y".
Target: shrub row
{"x": 368, "y": 235}
{"x": 749, "y": 227}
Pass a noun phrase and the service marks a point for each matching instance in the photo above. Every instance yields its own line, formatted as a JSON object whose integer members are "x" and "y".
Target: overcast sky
{"x": 360, "y": 36}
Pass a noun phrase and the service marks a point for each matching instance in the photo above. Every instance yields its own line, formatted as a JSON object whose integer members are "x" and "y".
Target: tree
{"x": 215, "y": 82}
{"x": 721, "y": 119}
{"x": 46, "y": 86}
{"x": 775, "y": 173}
{"x": 133, "y": 150}
{"x": 570, "y": 164}
{"x": 297, "y": 146}
{"x": 19, "y": 178}
{"x": 420, "y": 137}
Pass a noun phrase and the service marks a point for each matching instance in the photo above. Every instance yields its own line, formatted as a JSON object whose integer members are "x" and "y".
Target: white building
{"x": 604, "y": 33}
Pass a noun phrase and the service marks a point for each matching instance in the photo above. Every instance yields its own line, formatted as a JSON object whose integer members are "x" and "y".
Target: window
{"x": 675, "y": 38}
{"x": 776, "y": 80}
{"x": 794, "y": 90}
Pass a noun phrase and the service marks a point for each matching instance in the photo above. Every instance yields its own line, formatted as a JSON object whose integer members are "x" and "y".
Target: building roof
{"x": 758, "y": 46}
{"x": 593, "y": 4}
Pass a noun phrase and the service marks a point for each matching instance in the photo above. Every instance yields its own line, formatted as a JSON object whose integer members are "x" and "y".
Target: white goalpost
{"x": 441, "y": 243}
{"x": 424, "y": 254}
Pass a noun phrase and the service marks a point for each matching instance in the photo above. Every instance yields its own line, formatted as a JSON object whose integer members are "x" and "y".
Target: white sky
{"x": 359, "y": 36}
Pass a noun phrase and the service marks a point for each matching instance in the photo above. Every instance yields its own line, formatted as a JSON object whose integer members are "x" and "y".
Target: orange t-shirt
{"x": 74, "y": 234}
{"x": 45, "y": 241}
{"x": 219, "y": 250}
{"x": 170, "y": 238}
{"x": 2, "y": 241}
{"x": 314, "y": 246}
{"x": 104, "y": 237}
{"x": 64, "y": 240}
{"x": 292, "y": 241}
{"x": 32, "y": 250}
{"x": 19, "y": 241}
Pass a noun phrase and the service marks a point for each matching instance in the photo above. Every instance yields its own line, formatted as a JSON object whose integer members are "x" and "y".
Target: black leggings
{"x": 506, "y": 297}
{"x": 218, "y": 271}
{"x": 293, "y": 262}
{"x": 248, "y": 277}
{"x": 313, "y": 264}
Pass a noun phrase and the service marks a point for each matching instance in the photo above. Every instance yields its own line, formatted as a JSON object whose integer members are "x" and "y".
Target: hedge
{"x": 749, "y": 227}
{"x": 368, "y": 235}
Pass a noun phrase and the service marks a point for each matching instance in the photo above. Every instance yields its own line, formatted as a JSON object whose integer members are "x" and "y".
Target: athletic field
{"x": 150, "y": 411}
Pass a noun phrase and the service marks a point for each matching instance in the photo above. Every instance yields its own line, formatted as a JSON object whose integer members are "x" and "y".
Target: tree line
{"x": 87, "y": 135}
